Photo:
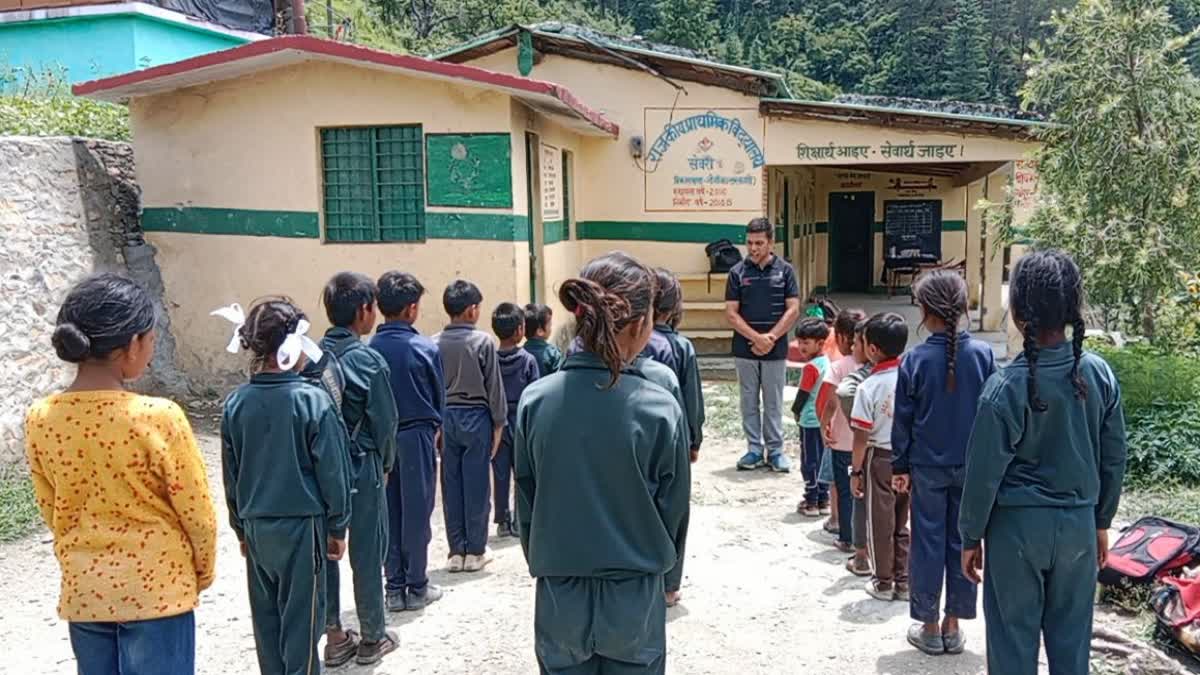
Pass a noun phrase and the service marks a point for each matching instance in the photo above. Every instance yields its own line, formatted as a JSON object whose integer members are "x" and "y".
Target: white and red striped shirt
{"x": 875, "y": 403}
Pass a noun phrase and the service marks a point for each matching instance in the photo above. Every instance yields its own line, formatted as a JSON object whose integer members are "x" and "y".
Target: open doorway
{"x": 851, "y": 242}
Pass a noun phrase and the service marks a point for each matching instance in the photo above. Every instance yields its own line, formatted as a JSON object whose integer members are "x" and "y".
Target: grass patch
{"x": 18, "y": 506}
{"x": 722, "y": 417}
{"x": 1178, "y": 503}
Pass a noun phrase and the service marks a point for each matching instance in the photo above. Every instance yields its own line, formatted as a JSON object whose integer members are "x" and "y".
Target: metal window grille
{"x": 374, "y": 184}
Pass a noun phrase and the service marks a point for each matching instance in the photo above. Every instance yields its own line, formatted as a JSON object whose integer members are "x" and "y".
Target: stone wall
{"x": 68, "y": 208}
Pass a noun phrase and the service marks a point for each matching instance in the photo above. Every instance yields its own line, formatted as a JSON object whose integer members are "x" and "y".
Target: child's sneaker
{"x": 456, "y": 563}
{"x": 418, "y": 601}
{"x": 823, "y": 507}
{"x": 373, "y": 652}
{"x": 928, "y": 643}
{"x": 749, "y": 461}
{"x": 954, "y": 642}
{"x": 881, "y": 590}
{"x": 475, "y": 563}
{"x": 780, "y": 463}
{"x": 902, "y": 592}
{"x": 396, "y": 601}
{"x": 340, "y": 654}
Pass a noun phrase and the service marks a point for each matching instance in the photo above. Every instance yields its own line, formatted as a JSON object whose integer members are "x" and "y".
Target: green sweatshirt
{"x": 1072, "y": 455}
{"x": 367, "y": 403}
{"x": 689, "y": 383}
{"x": 283, "y": 453}
{"x": 603, "y": 478}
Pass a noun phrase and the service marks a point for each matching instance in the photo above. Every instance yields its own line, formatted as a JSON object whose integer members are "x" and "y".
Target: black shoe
{"x": 421, "y": 600}
{"x": 396, "y": 601}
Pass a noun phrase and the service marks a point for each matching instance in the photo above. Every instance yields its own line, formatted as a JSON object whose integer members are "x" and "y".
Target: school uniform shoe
{"x": 396, "y": 601}
{"x": 456, "y": 563}
{"x": 373, "y": 652}
{"x": 881, "y": 590}
{"x": 340, "y": 654}
{"x": 902, "y": 592}
{"x": 954, "y": 642}
{"x": 808, "y": 510}
{"x": 503, "y": 530}
{"x": 475, "y": 563}
{"x": 750, "y": 461}
{"x": 780, "y": 463}
{"x": 823, "y": 507}
{"x": 928, "y": 643}
{"x": 417, "y": 601}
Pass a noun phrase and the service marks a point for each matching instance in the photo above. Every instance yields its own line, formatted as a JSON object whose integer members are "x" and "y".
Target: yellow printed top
{"x": 121, "y": 484}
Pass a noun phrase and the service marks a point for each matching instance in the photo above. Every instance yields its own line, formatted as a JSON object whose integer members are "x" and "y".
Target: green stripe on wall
{"x": 947, "y": 226}
{"x": 251, "y": 222}
{"x": 700, "y": 233}
{"x": 552, "y": 231}
{"x": 305, "y": 224}
{"x": 484, "y": 226}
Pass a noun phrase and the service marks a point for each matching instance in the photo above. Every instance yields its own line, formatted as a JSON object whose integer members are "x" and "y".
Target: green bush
{"x": 1151, "y": 378}
{"x": 18, "y": 507}
{"x": 62, "y": 116}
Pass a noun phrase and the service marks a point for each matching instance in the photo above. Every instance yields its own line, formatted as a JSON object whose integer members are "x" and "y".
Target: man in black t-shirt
{"x": 762, "y": 301}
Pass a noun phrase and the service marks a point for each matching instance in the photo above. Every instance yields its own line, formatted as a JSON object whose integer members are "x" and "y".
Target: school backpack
{"x": 1148, "y": 550}
{"x": 722, "y": 256}
{"x": 329, "y": 376}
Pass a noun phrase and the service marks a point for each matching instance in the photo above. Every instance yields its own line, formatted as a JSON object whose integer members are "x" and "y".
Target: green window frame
{"x": 373, "y": 183}
{"x": 566, "y": 167}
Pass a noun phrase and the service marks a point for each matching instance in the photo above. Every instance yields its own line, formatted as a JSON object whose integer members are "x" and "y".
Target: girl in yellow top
{"x": 121, "y": 484}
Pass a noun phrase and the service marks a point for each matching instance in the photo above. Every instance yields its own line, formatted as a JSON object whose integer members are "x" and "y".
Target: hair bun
{"x": 71, "y": 344}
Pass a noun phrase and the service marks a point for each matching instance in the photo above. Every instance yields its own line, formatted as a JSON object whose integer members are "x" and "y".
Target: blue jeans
{"x": 151, "y": 647}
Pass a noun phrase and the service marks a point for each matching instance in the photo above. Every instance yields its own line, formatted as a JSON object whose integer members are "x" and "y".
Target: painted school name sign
{"x": 888, "y": 150}
{"x": 704, "y": 160}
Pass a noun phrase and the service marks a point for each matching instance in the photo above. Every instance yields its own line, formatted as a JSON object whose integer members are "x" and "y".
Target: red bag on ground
{"x": 1149, "y": 549}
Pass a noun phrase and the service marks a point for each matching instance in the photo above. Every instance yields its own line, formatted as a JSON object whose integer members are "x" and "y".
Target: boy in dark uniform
{"x": 287, "y": 484}
{"x": 475, "y": 416}
{"x": 419, "y": 389}
{"x": 603, "y": 481}
{"x": 538, "y": 319}
{"x": 518, "y": 368}
{"x": 1045, "y": 465}
{"x": 369, "y": 412}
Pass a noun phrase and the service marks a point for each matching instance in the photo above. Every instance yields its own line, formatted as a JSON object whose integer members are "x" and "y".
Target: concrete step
{"x": 717, "y": 368}
{"x": 710, "y": 342}
{"x": 703, "y": 287}
{"x": 706, "y": 315}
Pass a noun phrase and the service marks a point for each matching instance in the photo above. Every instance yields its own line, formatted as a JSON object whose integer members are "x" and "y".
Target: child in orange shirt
{"x": 121, "y": 484}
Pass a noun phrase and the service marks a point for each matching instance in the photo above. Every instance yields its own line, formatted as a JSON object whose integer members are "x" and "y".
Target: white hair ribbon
{"x": 237, "y": 317}
{"x": 288, "y": 354}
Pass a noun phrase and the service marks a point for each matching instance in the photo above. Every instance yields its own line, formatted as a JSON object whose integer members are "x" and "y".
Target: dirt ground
{"x": 764, "y": 592}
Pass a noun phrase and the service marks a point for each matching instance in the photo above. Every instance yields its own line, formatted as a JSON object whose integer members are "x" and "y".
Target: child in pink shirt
{"x": 835, "y": 426}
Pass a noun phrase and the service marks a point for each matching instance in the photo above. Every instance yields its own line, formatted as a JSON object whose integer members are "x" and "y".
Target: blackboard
{"x": 912, "y": 231}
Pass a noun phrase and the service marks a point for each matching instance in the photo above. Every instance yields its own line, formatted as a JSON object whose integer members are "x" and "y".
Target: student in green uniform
{"x": 369, "y": 412}
{"x": 603, "y": 482}
{"x": 538, "y": 320}
{"x": 287, "y": 484}
{"x": 1044, "y": 469}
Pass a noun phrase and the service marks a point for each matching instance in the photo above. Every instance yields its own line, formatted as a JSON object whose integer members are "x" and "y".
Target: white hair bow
{"x": 288, "y": 354}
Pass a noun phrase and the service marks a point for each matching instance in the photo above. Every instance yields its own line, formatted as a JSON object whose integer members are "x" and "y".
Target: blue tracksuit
{"x": 929, "y": 442}
{"x": 419, "y": 389}
{"x": 1038, "y": 487}
{"x": 518, "y": 369}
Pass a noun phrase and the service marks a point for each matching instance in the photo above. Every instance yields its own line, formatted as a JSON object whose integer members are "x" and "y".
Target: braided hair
{"x": 267, "y": 325}
{"x": 1046, "y": 295}
{"x": 611, "y": 292}
{"x": 668, "y": 298}
{"x": 943, "y": 294}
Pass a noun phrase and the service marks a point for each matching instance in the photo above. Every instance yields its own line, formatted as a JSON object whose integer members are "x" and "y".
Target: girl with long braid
{"x": 1044, "y": 469}
{"x": 937, "y": 393}
{"x": 603, "y": 481}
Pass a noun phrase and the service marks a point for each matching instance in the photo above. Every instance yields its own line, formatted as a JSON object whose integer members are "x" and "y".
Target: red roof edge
{"x": 314, "y": 45}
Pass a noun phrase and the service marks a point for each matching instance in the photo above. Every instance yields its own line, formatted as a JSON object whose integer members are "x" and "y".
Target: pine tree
{"x": 965, "y": 72}
{"x": 687, "y": 23}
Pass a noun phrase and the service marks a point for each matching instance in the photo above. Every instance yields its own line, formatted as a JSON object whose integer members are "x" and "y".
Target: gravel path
{"x": 764, "y": 593}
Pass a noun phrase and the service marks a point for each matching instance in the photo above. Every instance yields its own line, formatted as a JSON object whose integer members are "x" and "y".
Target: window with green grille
{"x": 374, "y": 183}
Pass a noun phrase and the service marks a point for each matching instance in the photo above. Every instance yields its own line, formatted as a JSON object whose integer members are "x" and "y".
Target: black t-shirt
{"x": 761, "y": 294}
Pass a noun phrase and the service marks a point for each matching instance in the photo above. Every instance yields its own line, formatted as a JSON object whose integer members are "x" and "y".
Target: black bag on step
{"x": 722, "y": 256}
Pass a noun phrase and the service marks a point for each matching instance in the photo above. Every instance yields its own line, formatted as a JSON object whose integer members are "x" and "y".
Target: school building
{"x": 512, "y": 160}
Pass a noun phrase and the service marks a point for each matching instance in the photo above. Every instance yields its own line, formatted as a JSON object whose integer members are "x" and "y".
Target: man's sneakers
{"x": 373, "y": 652}
{"x": 396, "y": 601}
{"x": 456, "y": 563}
{"x": 928, "y": 643}
{"x": 780, "y": 463}
{"x": 340, "y": 653}
{"x": 417, "y": 601}
{"x": 750, "y": 461}
{"x": 475, "y": 563}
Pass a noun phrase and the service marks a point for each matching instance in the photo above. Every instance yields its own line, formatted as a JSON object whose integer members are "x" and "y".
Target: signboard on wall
{"x": 704, "y": 160}
{"x": 469, "y": 170}
{"x": 912, "y": 231}
{"x": 551, "y": 169}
